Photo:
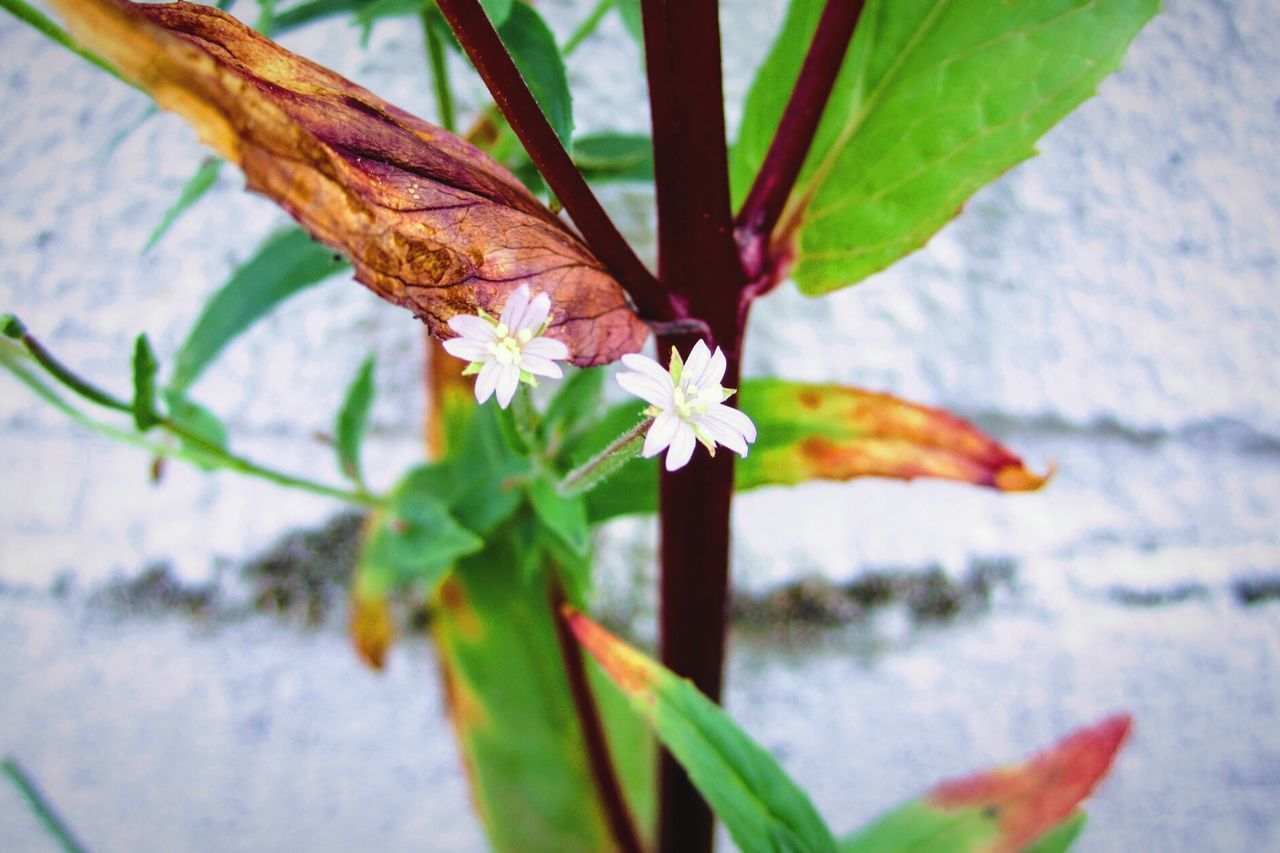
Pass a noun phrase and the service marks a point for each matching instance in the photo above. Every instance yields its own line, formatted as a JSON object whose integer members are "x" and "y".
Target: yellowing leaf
{"x": 430, "y": 222}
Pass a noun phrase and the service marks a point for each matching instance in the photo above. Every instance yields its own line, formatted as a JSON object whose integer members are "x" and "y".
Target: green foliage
{"x": 352, "y": 418}
{"x": 145, "y": 365}
{"x": 206, "y": 430}
{"x": 935, "y": 100}
{"x": 614, "y": 156}
{"x": 1061, "y": 837}
{"x": 763, "y": 809}
{"x": 533, "y": 48}
{"x": 633, "y": 20}
{"x": 566, "y": 517}
{"x": 415, "y": 540}
{"x": 195, "y": 187}
{"x": 287, "y": 263}
{"x": 576, "y": 400}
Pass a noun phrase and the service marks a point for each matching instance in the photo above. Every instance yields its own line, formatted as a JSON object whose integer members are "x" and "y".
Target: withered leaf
{"x": 430, "y": 221}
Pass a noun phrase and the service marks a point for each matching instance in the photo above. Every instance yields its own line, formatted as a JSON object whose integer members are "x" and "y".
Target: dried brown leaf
{"x": 430, "y": 221}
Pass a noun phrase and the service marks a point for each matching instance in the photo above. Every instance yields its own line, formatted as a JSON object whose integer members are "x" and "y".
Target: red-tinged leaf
{"x": 372, "y": 628}
{"x": 1034, "y": 806}
{"x": 430, "y": 222}
{"x": 830, "y": 432}
{"x": 1026, "y": 801}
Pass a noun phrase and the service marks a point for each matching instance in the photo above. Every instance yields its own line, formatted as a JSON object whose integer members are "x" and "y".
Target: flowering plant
{"x": 865, "y": 128}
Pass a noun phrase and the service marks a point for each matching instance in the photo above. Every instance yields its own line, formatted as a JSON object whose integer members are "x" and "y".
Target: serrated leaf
{"x": 286, "y": 264}
{"x": 352, "y": 418}
{"x": 763, "y": 809}
{"x": 936, "y": 99}
{"x": 195, "y": 187}
{"x": 534, "y": 49}
{"x": 822, "y": 432}
{"x": 1003, "y": 810}
{"x": 564, "y": 516}
{"x": 145, "y": 365}
{"x": 430, "y": 222}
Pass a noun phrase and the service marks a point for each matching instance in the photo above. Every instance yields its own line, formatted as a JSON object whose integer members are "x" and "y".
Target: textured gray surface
{"x": 1109, "y": 306}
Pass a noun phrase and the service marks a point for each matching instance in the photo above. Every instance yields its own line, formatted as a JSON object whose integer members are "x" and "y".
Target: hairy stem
{"x": 595, "y": 470}
{"x": 777, "y": 177}
{"x": 621, "y": 823}
{"x": 496, "y": 67}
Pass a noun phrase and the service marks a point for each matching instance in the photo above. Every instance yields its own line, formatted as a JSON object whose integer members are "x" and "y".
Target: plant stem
{"x": 209, "y": 452}
{"x": 55, "y": 825}
{"x": 777, "y": 177}
{"x": 439, "y": 73}
{"x": 595, "y": 470}
{"x": 699, "y": 261}
{"x": 621, "y": 823}
{"x": 487, "y": 53}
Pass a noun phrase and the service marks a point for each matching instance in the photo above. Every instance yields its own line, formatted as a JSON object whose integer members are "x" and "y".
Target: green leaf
{"x": 577, "y": 399}
{"x": 763, "y": 809}
{"x": 145, "y": 365}
{"x": 614, "y": 156}
{"x": 287, "y": 263}
{"x": 414, "y": 541}
{"x": 936, "y": 99}
{"x": 206, "y": 429}
{"x": 195, "y": 187}
{"x": 1031, "y": 807}
{"x": 369, "y": 12}
{"x": 565, "y": 517}
{"x": 821, "y": 432}
{"x": 533, "y": 48}
{"x": 1060, "y": 838}
{"x": 633, "y": 19}
{"x": 352, "y": 418}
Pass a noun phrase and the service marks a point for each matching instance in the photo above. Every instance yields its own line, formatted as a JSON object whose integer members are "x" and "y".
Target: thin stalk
{"x": 491, "y": 59}
{"x": 587, "y": 27}
{"x": 595, "y": 470}
{"x": 603, "y": 773}
{"x": 208, "y": 453}
{"x": 439, "y": 73}
{"x": 799, "y": 123}
{"x": 53, "y": 823}
{"x": 699, "y": 260}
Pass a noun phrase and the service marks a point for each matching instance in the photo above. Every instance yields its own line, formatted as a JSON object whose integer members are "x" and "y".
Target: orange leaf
{"x": 430, "y": 221}
{"x": 1029, "y": 799}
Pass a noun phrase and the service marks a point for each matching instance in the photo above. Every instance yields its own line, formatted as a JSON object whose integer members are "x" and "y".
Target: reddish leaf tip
{"x": 1018, "y": 478}
{"x": 630, "y": 670}
{"x": 1030, "y": 799}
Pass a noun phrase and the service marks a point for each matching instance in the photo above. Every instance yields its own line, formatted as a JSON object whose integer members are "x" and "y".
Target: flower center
{"x": 507, "y": 350}
{"x": 687, "y": 402}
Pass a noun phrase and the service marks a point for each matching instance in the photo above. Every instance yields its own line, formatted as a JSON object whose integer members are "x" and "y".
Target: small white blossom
{"x": 687, "y": 405}
{"x": 511, "y": 349}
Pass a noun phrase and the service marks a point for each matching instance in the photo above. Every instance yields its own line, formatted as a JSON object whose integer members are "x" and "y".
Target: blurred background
{"x": 1108, "y": 307}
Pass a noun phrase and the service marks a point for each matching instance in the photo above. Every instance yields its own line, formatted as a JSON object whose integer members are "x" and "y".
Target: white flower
{"x": 687, "y": 405}
{"x": 508, "y": 350}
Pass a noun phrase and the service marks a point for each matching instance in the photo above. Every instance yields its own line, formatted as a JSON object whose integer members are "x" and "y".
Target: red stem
{"x": 698, "y": 259}
{"x": 777, "y": 177}
{"x": 490, "y": 57}
{"x": 621, "y": 823}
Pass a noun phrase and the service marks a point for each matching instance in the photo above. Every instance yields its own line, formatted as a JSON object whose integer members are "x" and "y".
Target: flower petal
{"x": 733, "y": 419}
{"x": 487, "y": 381}
{"x": 647, "y": 366}
{"x": 540, "y": 366}
{"x": 513, "y": 310}
{"x": 473, "y": 327}
{"x": 681, "y": 449}
{"x": 467, "y": 349}
{"x": 508, "y": 382}
{"x": 534, "y": 315}
{"x": 648, "y": 389}
{"x": 660, "y": 434}
{"x": 721, "y": 433}
{"x": 547, "y": 348}
{"x": 715, "y": 370}
{"x": 696, "y": 364}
